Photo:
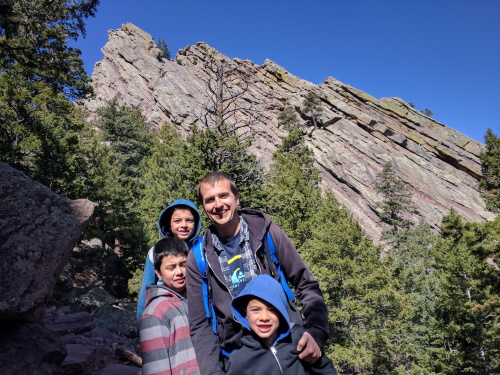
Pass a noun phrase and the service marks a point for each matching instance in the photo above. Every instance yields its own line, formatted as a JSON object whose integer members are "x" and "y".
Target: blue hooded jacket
{"x": 282, "y": 357}
{"x": 149, "y": 276}
{"x": 268, "y": 289}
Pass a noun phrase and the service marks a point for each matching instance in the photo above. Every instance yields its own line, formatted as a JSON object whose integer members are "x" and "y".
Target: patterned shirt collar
{"x": 244, "y": 235}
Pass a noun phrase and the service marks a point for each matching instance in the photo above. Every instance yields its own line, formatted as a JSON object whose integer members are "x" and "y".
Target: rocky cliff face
{"x": 360, "y": 133}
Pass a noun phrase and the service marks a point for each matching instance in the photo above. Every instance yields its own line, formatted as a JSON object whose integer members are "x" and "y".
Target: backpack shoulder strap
{"x": 201, "y": 262}
{"x": 199, "y": 255}
{"x": 271, "y": 250}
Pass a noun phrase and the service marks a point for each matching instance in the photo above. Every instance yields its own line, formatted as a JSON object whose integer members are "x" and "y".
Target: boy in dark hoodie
{"x": 166, "y": 345}
{"x": 269, "y": 342}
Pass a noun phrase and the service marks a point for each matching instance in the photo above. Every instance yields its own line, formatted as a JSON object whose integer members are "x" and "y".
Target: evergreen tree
{"x": 108, "y": 187}
{"x": 164, "y": 48}
{"x": 469, "y": 309}
{"x": 127, "y": 133}
{"x": 490, "y": 167}
{"x": 288, "y": 118}
{"x": 413, "y": 267}
{"x": 292, "y": 185}
{"x": 396, "y": 203}
{"x": 39, "y": 75}
{"x": 114, "y": 156}
{"x": 165, "y": 177}
{"x": 311, "y": 105}
{"x": 427, "y": 112}
{"x": 363, "y": 305}
{"x": 33, "y": 44}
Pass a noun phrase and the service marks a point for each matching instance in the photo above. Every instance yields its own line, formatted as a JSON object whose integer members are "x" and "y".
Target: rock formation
{"x": 38, "y": 233}
{"x": 359, "y": 133}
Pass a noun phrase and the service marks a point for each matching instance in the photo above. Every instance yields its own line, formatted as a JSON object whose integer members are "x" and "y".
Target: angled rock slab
{"x": 80, "y": 359}
{"x": 73, "y": 323}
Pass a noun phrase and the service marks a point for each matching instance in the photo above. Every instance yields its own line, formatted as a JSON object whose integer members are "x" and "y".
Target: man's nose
{"x": 217, "y": 202}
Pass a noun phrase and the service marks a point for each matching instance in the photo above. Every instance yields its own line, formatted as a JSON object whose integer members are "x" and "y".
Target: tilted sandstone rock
{"x": 38, "y": 230}
{"x": 360, "y": 133}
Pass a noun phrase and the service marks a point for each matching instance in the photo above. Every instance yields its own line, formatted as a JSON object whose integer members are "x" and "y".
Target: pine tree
{"x": 288, "y": 118}
{"x": 363, "y": 305}
{"x": 115, "y": 153}
{"x": 165, "y": 177}
{"x": 490, "y": 167}
{"x": 108, "y": 187}
{"x": 39, "y": 76}
{"x": 164, "y": 48}
{"x": 413, "y": 266}
{"x": 127, "y": 133}
{"x": 311, "y": 105}
{"x": 469, "y": 309}
{"x": 396, "y": 204}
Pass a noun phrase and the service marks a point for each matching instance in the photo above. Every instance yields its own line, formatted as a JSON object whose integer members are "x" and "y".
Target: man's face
{"x": 264, "y": 320}
{"x": 220, "y": 204}
{"x": 182, "y": 223}
{"x": 173, "y": 272}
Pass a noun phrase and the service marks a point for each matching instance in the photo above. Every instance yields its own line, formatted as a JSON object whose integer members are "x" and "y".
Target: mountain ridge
{"x": 359, "y": 133}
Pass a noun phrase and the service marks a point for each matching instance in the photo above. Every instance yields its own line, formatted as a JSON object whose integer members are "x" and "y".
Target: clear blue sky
{"x": 443, "y": 55}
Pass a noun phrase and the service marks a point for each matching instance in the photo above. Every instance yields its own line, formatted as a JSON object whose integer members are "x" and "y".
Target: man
{"x": 234, "y": 251}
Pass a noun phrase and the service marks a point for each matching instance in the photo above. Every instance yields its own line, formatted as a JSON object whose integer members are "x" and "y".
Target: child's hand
{"x": 309, "y": 350}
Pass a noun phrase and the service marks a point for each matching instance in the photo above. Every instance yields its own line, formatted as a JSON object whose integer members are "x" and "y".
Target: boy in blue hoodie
{"x": 181, "y": 219}
{"x": 269, "y": 342}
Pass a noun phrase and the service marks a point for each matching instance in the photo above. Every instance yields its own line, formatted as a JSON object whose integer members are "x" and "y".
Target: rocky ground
{"x": 92, "y": 346}
{"x": 96, "y": 322}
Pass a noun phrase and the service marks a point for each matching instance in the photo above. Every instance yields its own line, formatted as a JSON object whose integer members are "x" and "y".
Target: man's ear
{"x": 237, "y": 200}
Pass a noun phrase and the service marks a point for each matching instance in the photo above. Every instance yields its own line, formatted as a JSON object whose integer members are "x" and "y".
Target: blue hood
{"x": 164, "y": 220}
{"x": 269, "y": 290}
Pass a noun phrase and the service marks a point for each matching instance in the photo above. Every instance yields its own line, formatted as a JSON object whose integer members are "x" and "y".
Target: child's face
{"x": 182, "y": 223}
{"x": 173, "y": 272}
{"x": 264, "y": 320}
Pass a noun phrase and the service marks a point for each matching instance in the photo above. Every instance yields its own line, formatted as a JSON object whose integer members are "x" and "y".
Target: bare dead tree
{"x": 227, "y": 109}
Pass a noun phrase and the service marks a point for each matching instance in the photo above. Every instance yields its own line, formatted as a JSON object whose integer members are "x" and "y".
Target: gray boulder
{"x": 38, "y": 230}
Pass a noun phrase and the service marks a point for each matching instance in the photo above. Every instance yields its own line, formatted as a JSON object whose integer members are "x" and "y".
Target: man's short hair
{"x": 212, "y": 178}
{"x": 169, "y": 246}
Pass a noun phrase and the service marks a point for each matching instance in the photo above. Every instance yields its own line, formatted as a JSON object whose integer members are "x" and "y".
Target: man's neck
{"x": 228, "y": 231}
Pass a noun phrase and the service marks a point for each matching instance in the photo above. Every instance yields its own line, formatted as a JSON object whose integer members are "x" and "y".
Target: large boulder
{"x": 38, "y": 230}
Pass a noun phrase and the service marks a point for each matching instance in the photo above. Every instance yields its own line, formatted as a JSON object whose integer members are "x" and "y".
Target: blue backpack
{"x": 199, "y": 255}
